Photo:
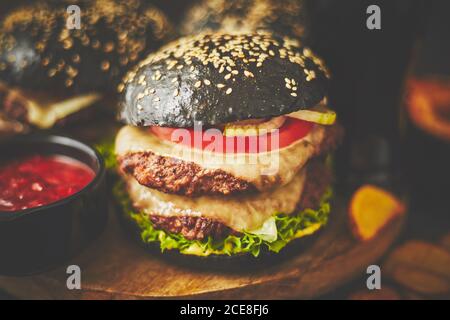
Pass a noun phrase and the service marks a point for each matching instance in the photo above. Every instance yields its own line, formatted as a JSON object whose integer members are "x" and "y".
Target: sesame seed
{"x": 235, "y": 72}
{"x": 171, "y": 65}
{"x": 220, "y": 85}
{"x": 122, "y": 35}
{"x": 294, "y": 88}
{"x": 105, "y": 65}
{"x": 288, "y": 86}
{"x": 293, "y": 94}
{"x": 67, "y": 44}
{"x": 96, "y": 44}
{"x": 228, "y": 76}
{"x": 108, "y": 47}
{"x": 207, "y": 82}
{"x": 175, "y": 93}
{"x": 198, "y": 84}
{"x": 229, "y": 90}
{"x": 76, "y": 58}
{"x": 248, "y": 74}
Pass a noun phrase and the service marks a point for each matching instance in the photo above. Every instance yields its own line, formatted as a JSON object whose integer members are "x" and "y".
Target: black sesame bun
{"x": 285, "y": 17}
{"x": 217, "y": 78}
{"x": 38, "y": 52}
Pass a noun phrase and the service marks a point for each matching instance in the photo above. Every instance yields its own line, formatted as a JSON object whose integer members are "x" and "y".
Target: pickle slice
{"x": 236, "y": 129}
{"x": 322, "y": 116}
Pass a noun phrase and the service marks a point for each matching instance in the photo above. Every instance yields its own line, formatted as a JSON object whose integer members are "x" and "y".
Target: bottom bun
{"x": 295, "y": 232}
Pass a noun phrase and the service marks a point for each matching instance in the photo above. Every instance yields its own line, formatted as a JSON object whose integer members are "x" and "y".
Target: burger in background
{"x": 51, "y": 75}
{"x": 286, "y": 18}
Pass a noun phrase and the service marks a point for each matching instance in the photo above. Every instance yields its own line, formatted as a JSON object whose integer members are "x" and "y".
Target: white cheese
{"x": 44, "y": 110}
{"x": 45, "y": 116}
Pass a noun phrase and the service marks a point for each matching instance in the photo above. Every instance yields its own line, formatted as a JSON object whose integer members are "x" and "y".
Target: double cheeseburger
{"x": 52, "y": 68}
{"x": 225, "y": 147}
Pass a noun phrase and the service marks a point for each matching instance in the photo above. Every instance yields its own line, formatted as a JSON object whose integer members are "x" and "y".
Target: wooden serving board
{"x": 115, "y": 267}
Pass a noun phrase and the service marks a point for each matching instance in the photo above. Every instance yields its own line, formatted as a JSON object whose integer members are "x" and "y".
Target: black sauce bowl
{"x": 37, "y": 239}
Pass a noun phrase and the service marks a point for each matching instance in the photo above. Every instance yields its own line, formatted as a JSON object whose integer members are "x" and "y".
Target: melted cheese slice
{"x": 44, "y": 111}
{"x": 46, "y": 115}
{"x": 241, "y": 213}
{"x": 263, "y": 170}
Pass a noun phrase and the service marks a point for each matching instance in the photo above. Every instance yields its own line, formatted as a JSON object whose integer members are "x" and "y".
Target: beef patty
{"x": 198, "y": 228}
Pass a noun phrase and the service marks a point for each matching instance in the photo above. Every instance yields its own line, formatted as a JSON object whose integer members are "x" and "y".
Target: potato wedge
{"x": 371, "y": 208}
{"x": 418, "y": 280}
{"x": 385, "y": 293}
{"x": 420, "y": 266}
{"x": 422, "y": 255}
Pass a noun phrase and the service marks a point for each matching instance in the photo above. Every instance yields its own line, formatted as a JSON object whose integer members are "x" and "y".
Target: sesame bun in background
{"x": 49, "y": 72}
{"x": 286, "y": 17}
{"x": 184, "y": 197}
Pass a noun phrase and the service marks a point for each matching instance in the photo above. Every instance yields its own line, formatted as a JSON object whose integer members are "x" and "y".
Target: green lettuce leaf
{"x": 106, "y": 149}
{"x": 289, "y": 227}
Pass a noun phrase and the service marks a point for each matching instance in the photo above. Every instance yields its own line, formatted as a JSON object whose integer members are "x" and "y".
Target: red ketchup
{"x": 39, "y": 180}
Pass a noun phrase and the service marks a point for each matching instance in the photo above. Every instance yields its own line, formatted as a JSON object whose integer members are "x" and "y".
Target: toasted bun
{"x": 215, "y": 78}
{"x": 38, "y": 51}
{"x": 286, "y": 18}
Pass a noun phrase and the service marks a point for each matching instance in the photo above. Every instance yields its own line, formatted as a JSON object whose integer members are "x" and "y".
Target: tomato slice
{"x": 213, "y": 139}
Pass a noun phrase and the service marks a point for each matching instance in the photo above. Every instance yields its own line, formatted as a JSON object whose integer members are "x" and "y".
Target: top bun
{"x": 286, "y": 18}
{"x": 38, "y": 51}
{"x": 216, "y": 78}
